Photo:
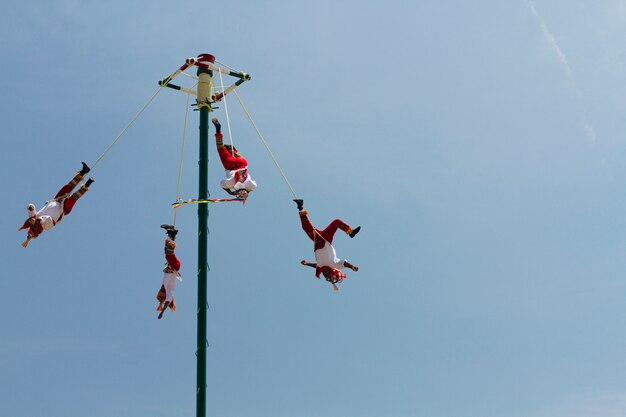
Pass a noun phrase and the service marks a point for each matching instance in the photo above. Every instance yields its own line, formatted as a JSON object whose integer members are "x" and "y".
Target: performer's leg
{"x": 67, "y": 188}
{"x": 218, "y": 126}
{"x": 307, "y": 226}
{"x": 330, "y": 230}
{"x": 69, "y": 202}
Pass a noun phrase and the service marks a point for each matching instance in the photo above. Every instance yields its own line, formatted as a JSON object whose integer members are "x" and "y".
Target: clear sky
{"x": 480, "y": 145}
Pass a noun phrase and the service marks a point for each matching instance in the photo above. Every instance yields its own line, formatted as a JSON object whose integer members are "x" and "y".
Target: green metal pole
{"x": 204, "y": 94}
{"x": 203, "y": 217}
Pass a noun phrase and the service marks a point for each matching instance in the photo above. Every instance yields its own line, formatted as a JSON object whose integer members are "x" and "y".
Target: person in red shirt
{"x": 54, "y": 210}
{"x": 165, "y": 296}
{"x": 238, "y": 181}
{"x": 326, "y": 261}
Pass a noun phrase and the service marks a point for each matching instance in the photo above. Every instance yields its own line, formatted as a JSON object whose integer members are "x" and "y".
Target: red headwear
{"x": 332, "y": 275}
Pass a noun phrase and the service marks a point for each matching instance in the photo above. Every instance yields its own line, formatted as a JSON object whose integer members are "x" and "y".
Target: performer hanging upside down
{"x": 238, "y": 181}
{"x": 170, "y": 273}
{"x": 326, "y": 261}
{"x": 53, "y": 211}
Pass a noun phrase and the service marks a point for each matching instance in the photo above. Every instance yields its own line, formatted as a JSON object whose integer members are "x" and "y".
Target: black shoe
{"x": 300, "y": 204}
{"x": 355, "y": 231}
{"x": 170, "y": 230}
{"x": 84, "y": 170}
{"x": 89, "y": 182}
{"x": 216, "y": 123}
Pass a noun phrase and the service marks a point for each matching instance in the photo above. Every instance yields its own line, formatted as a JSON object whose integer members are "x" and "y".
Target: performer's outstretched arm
{"x": 305, "y": 263}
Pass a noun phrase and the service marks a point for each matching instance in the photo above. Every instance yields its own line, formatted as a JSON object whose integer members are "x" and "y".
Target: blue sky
{"x": 480, "y": 146}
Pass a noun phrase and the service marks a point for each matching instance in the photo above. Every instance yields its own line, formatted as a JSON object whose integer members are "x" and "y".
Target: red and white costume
{"x": 236, "y": 170}
{"x": 53, "y": 211}
{"x": 326, "y": 260}
{"x": 170, "y": 275}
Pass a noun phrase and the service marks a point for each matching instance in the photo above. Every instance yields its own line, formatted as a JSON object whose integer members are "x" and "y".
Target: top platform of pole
{"x": 204, "y": 62}
{"x": 206, "y": 71}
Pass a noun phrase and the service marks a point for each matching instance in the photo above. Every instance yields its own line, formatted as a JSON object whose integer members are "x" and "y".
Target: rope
{"x": 189, "y": 75}
{"x": 182, "y": 150}
{"x": 224, "y": 65}
{"x": 266, "y": 146}
{"x": 226, "y": 110}
{"x": 127, "y": 127}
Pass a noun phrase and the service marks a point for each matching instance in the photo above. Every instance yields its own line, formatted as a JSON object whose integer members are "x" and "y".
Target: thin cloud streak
{"x": 554, "y": 44}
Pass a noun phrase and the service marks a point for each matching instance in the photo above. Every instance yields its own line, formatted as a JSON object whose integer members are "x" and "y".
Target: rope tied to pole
{"x": 230, "y": 135}
{"x": 266, "y": 146}
{"x": 182, "y": 151}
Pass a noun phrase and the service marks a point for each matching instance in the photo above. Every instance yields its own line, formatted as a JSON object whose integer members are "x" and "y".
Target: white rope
{"x": 182, "y": 151}
{"x": 189, "y": 76}
{"x": 127, "y": 127}
{"x": 230, "y": 68}
{"x": 227, "y": 116}
{"x": 266, "y": 146}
